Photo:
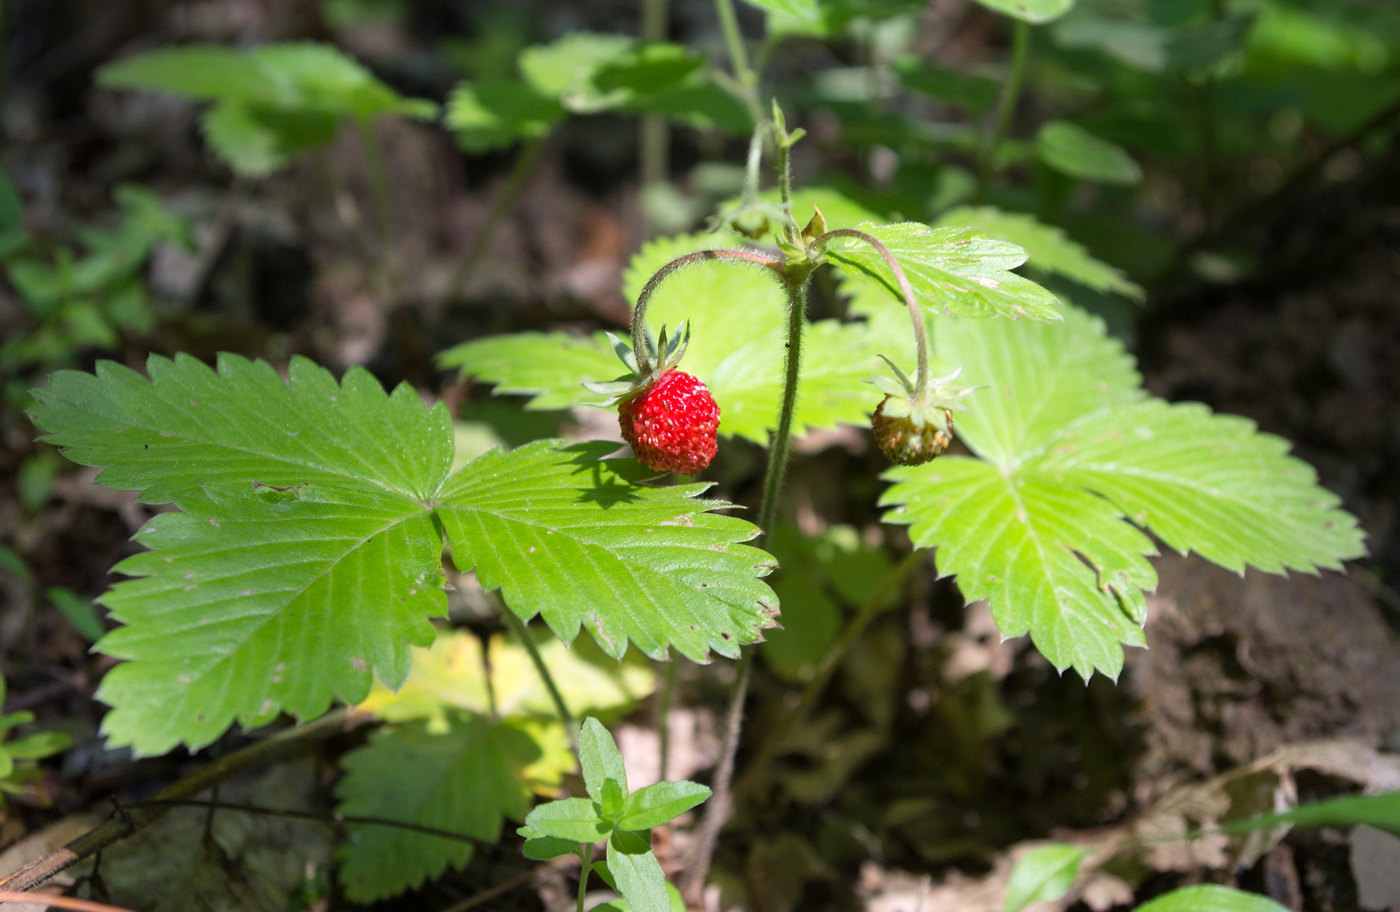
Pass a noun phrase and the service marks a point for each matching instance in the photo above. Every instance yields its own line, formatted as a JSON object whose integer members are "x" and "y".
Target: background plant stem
{"x": 522, "y": 634}
{"x": 744, "y": 75}
{"x": 515, "y": 185}
{"x": 663, "y": 716}
{"x": 655, "y": 132}
{"x": 1006, "y": 106}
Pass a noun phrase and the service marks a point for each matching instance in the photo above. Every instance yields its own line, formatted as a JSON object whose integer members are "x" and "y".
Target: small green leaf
{"x": 78, "y": 611}
{"x": 495, "y": 112}
{"x": 1048, "y": 247}
{"x": 1035, "y": 12}
{"x": 976, "y": 94}
{"x": 613, "y": 798}
{"x": 573, "y": 819}
{"x": 15, "y": 719}
{"x": 1044, "y": 875}
{"x": 249, "y": 147}
{"x": 1072, "y": 150}
{"x": 539, "y": 847}
{"x": 13, "y": 563}
{"x": 38, "y": 745}
{"x": 1379, "y": 811}
{"x": 7, "y": 764}
{"x": 467, "y": 778}
{"x": 1211, "y": 898}
{"x": 656, "y": 804}
{"x": 567, "y": 68}
{"x": 639, "y": 877}
{"x": 600, "y": 759}
{"x": 953, "y": 271}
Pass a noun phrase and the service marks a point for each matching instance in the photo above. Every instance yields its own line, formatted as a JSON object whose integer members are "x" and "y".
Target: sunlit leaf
{"x": 1073, "y": 150}
{"x": 1211, "y": 898}
{"x": 1044, "y": 875}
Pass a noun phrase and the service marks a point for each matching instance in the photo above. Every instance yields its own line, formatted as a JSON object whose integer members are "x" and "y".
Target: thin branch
{"x": 57, "y": 902}
{"x": 522, "y": 634}
{"x": 505, "y": 886}
{"x": 1006, "y": 106}
{"x": 125, "y": 824}
{"x": 639, "y": 313}
{"x": 916, "y": 316}
{"x": 515, "y": 185}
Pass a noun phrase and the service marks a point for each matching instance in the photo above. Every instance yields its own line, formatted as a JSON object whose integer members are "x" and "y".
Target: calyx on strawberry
{"x": 912, "y": 427}
{"x": 668, "y": 416}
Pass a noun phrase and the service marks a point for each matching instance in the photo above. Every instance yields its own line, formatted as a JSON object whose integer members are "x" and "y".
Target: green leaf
{"x": 1073, "y": 458}
{"x": 573, "y": 819}
{"x": 246, "y": 145}
{"x": 78, "y": 611}
{"x": 661, "y": 802}
{"x": 600, "y": 759}
{"x": 1048, "y": 247}
{"x": 496, "y": 112}
{"x": 613, "y": 797}
{"x": 1211, "y": 898}
{"x": 639, "y": 877}
{"x": 953, "y": 271}
{"x": 539, "y": 847}
{"x": 566, "y": 69}
{"x": 38, "y": 745}
{"x": 738, "y": 326}
{"x": 1072, "y": 150}
{"x": 1033, "y": 11}
{"x": 1379, "y": 811}
{"x": 1044, "y": 875}
{"x": 466, "y": 779}
{"x": 975, "y": 94}
{"x": 7, "y": 764}
{"x": 13, "y": 563}
{"x": 576, "y": 540}
{"x": 15, "y": 719}
{"x": 271, "y": 102}
{"x": 648, "y": 68}
{"x": 305, "y": 557}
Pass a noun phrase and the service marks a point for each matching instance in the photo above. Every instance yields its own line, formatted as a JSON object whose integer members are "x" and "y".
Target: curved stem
{"x": 916, "y": 316}
{"x": 639, "y": 313}
{"x": 585, "y": 856}
{"x": 1006, "y": 106}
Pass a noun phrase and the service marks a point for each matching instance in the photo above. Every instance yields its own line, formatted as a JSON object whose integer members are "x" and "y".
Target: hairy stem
{"x": 1006, "y": 106}
{"x": 718, "y": 807}
{"x": 639, "y": 313}
{"x": 522, "y": 634}
{"x": 515, "y": 184}
{"x": 125, "y": 824}
{"x": 916, "y": 316}
{"x": 586, "y": 857}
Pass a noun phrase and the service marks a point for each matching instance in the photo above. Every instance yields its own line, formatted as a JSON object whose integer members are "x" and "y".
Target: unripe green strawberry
{"x": 671, "y": 424}
{"x": 668, "y": 416}
{"x": 913, "y": 426}
{"x": 905, "y": 441}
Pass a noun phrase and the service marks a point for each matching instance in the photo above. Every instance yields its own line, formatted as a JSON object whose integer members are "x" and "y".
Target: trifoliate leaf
{"x": 1044, "y": 875}
{"x": 451, "y": 675}
{"x": 953, "y": 271}
{"x": 1211, "y": 898}
{"x": 466, "y": 779}
{"x": 738, "y": 324}
{"x": 638, "y": 874}
{"x": 576, "y": 540}
{"x": 600, "y": 759}
{"x": 271, "y": 102}
{"x": 1033, "y": 11}
{"x": 305, "y": 557}
{"x": 572, "y": 819}
{"x": 1048, "y": 247}
{"x": 1073, "y": 150}
{"x": 1073, "y": 458}
{"x": 496, "y": 112}
{"x": 660, "y": 803}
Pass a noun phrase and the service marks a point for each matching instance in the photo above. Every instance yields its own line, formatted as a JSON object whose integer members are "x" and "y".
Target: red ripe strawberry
{"x": 671, "y": 424}
{"x": 667, "y": 415}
